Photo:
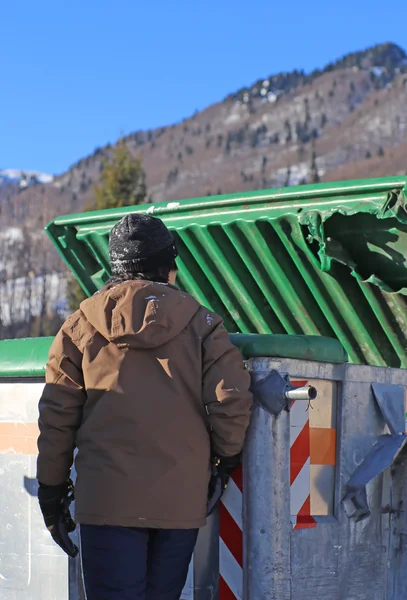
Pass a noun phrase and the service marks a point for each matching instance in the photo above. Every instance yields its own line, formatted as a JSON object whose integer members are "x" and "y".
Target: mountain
{"x": 23, "y": 178}
{"x": 12, "y": 181}
{"x": 344, "y": 121}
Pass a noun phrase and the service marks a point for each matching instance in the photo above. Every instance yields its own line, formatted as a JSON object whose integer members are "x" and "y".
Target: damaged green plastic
{"x": 327, "y": 259}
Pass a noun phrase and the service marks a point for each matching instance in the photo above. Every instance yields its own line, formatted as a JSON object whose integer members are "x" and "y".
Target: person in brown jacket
{"x": 144, "y": 382}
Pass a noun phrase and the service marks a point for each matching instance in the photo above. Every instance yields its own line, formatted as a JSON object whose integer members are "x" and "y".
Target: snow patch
{"x": 25, "y": 178}
{"x": 11, "y": 234}
{"x": 298, "y": 173}
{"x": 377, "y": 71}
{"x": 233, "y": 118}
{"x": 23, "y": 296}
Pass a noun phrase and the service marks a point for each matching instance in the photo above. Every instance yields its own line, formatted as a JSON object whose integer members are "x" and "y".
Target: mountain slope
{"x": 12, "y": 181}
{"x": 347, "y": 120}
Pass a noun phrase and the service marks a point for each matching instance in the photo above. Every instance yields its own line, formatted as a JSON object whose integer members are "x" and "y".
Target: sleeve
{"x": 226, "y": 392}
{"x": 60, "y": 410}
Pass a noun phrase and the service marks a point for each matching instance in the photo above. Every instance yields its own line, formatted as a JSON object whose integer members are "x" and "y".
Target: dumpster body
{"x": 283, "y": 531}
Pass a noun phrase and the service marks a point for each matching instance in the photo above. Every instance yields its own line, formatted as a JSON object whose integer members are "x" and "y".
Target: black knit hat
{"x": 140, "y": 243}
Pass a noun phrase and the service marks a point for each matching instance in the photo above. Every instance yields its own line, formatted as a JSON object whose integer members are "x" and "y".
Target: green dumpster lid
{"x": 326, "y": 259}
{"x": 26, "y": 358}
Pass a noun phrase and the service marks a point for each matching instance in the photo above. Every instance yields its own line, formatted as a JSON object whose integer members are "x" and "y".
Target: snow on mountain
{"x": 23, "y": 178}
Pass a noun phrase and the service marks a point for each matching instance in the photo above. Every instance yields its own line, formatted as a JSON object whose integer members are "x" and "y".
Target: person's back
{"x": 144, "y": 381}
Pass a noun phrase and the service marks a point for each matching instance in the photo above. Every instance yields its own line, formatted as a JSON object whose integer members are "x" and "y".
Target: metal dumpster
{"x": 327, "y": 259}
{"x": 31, "y": 566}
{"x": 284, "y": 531}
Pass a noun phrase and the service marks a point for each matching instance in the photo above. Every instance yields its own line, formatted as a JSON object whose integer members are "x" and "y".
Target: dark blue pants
{"x": 126, "y": 563}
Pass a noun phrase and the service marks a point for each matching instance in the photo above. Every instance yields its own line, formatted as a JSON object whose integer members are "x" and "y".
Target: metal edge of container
{"x": 27, "y": 357}
{"x": 303, "y": 192}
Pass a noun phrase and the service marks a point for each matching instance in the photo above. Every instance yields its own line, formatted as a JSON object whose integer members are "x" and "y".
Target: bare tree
{"x": 314, "y": 175}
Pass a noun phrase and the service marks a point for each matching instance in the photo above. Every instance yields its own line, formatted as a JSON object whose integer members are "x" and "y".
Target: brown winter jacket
{"x": 140, "y": 380}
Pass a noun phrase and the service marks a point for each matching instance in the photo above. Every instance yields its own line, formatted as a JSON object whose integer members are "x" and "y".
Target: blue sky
{"x": 75, "y": 75}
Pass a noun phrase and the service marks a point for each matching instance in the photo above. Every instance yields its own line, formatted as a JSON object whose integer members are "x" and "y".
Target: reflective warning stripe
{"x": 300, "y": 463}
{"x": 231, "y": 540}
{"x": 231, "y": 526}
{"x": 232, "y": 574}
{"x": 232, "y": 502}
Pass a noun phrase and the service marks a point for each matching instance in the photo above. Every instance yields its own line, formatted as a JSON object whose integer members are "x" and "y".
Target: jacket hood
{"x": 139, "y": 314}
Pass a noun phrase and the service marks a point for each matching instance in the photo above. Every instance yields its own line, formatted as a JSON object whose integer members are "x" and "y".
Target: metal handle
{"x": 308, "y": 392}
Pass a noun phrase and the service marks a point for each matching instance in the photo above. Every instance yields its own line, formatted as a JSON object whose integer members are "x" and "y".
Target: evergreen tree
{"x": 122, "y": 181}
{"x": 122, "y": 184}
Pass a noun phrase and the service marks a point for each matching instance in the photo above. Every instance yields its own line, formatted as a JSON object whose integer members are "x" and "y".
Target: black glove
{"x": 222, "y": 467}
{"x": 54, "y": 503}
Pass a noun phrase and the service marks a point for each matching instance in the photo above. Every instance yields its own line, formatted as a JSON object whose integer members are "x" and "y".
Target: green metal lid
{"x": 327, "y": 259}
{"x": 26, "y": 358}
